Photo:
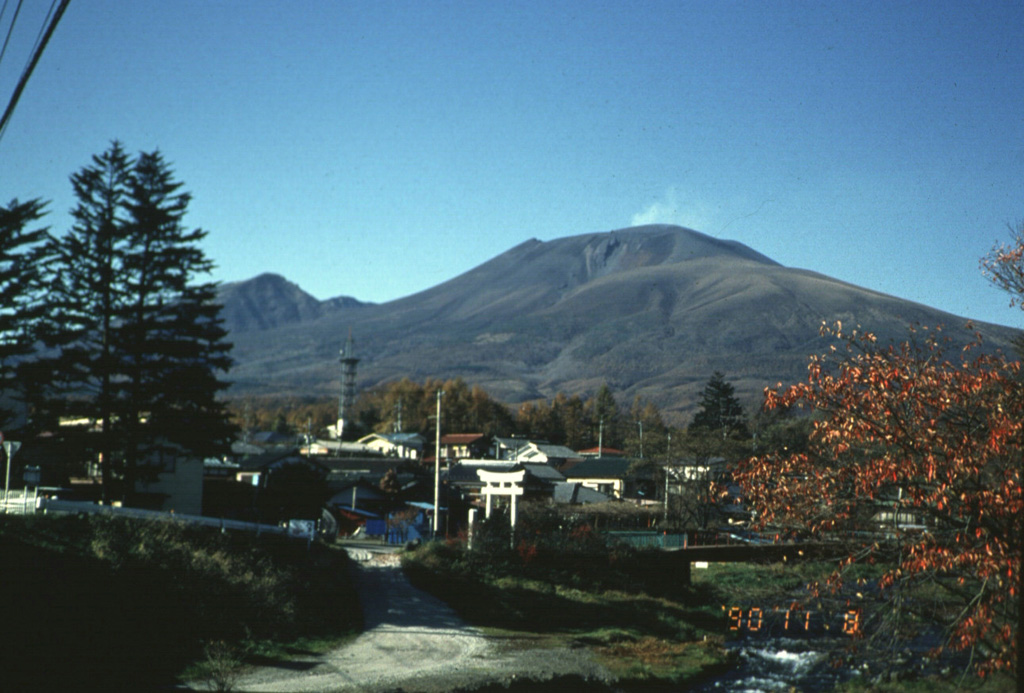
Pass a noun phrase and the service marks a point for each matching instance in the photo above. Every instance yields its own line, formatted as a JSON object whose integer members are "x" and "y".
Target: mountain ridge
{"x": 269, "y": 300}
{"x": 653, "y": 311}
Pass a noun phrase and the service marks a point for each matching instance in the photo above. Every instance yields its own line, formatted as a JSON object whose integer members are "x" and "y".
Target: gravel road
{"x": 417, "y": 644}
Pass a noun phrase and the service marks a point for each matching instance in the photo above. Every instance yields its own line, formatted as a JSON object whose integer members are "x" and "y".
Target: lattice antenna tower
{"x": 348, "y": 382}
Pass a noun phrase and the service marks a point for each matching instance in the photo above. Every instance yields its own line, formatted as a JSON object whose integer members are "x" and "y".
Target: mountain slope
{"x": 653, "y": 311}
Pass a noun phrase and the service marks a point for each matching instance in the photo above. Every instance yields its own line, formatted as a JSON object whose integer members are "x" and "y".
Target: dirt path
{"x": 415, "y": 643}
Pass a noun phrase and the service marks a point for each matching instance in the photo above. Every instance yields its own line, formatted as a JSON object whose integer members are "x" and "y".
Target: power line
{"x": 37, "y": 53}
{"x": 14, "y": 20}
{"x": 42, "y": 28}
{"x": 3, "y": 11}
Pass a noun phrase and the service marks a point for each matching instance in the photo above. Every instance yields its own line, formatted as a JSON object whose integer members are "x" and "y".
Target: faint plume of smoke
{"x": 673, "y": 208}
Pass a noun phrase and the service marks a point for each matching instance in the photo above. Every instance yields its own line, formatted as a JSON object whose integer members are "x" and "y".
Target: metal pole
{"x": 7, "y": 476}
{"x": 437, "y": 461}
{"x": 666, "y": 494}
{"x": 667, "y": 463}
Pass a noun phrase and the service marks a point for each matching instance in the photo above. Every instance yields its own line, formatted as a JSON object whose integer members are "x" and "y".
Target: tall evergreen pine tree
{"x": 606, "y": 418}
{"x": 172, "y": 333}
{"x": 83, "y": 307}
{"x": 720, "y": 412}
{"x": 138, "y": 343}
{"x": 19, "y": 309}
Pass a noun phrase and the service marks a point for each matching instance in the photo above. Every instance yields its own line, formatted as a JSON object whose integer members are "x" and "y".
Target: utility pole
{"x": 10, "y": 447}
{"x": 668, "y": 461}
{"x": 666, "y": 495}
{"x": 437, "y": 462}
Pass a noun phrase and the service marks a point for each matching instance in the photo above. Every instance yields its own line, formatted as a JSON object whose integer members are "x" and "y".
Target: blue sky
{"x": 375, "y": 149}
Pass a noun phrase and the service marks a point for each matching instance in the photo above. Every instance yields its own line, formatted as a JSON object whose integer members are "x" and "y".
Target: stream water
{"x": 820, "y": 662}
{"x": 782, "y": 664}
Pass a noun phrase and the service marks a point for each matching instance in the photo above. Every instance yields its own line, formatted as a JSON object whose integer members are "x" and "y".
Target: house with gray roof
{"x": 575, "y": 493}
{"x": 543, "y": 472}
{"x": 545, "y": 453}
{"x": 539, "y": 481}
{"x": 608, "y": 475}
{"x": 508, "y": 448}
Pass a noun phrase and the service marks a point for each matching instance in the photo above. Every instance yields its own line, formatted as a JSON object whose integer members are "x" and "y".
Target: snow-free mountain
{"x": 652, "y": 310}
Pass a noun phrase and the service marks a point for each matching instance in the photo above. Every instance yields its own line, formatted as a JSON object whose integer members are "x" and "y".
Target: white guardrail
{"x": 16, "y": 502}
{"x": 26, "y": 502}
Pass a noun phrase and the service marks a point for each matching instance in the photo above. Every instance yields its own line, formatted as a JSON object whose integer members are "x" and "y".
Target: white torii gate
{"x": 502, "y": 484}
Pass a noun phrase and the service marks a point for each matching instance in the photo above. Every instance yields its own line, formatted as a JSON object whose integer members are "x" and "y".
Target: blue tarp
{"x": 376, "y": 528}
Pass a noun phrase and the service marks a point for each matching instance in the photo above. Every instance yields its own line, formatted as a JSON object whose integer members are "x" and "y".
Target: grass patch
{"x": 670, "y": 636}
{"x": 754, "y": 583}
{"x": 135, "y": 604}
{"x": 652, "y": 659}
{"x": 512, "y": 602}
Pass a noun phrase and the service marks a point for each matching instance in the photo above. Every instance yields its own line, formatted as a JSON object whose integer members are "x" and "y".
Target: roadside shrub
{"x": 558, "y": 550}
{"x": 224, "y": 663}
{"x": 222, "y": 584}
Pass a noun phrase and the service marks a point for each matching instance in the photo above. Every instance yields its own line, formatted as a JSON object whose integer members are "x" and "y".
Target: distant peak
{"x": 664, "y": 244}
{"x": 264, "y": 279}
{"x": 272, "y": 278}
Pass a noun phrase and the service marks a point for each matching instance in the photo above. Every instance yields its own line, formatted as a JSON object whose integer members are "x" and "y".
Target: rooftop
{"x": 461, "y": 438}
{"x": 600, "y": 468}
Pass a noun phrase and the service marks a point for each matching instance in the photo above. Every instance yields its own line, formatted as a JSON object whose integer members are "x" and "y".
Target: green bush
{"x": 577, "y": 589}
{"x": 218, "y": 586}
{"x": 551, "y": 547}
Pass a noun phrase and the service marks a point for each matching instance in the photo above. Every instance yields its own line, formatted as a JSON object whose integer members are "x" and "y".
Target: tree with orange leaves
{"x": 915, "y": 460}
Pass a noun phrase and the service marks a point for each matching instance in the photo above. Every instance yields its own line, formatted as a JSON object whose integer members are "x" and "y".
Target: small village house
{"x": 608, "y": 475}
{"x": 406, "y": 446}
{"x": 461, "y": 446}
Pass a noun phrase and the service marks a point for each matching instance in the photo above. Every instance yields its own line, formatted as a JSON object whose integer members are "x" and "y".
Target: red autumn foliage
{"x": 583, "y": 534}
{"x": 527, "y": 552}
{"x": 903, "y": 433}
